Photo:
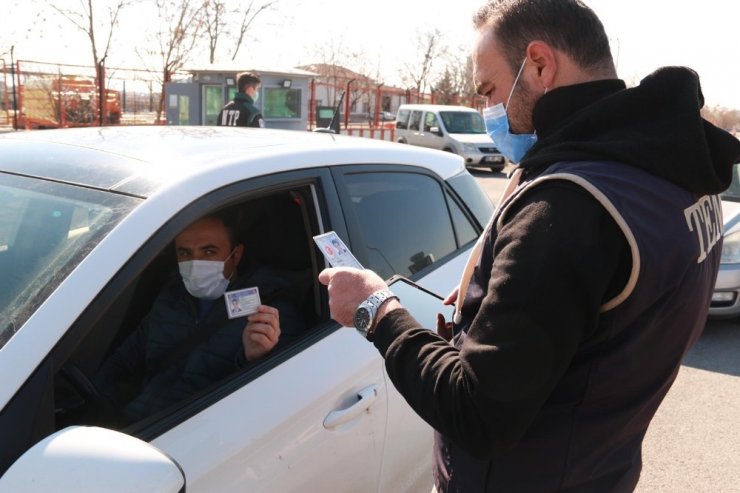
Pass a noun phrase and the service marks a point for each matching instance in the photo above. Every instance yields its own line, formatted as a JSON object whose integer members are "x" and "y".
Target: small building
{"x": 283, "y": 97}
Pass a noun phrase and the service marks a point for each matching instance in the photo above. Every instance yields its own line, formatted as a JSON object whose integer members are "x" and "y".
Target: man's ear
{"x": 238, "y": 251}
{"x": 543, "y": 58}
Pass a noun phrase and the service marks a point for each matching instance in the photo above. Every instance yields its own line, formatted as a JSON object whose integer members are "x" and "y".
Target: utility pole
{"x": 15, "y": 96}
{"x": 102, "y": 99}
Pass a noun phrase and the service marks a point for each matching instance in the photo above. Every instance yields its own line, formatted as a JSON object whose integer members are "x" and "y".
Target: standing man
{"x": 591, "y": 281}
{"x": 241, "y": 111}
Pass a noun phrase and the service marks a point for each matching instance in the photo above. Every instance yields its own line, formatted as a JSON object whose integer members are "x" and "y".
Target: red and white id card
{"x": 335, "y": 251}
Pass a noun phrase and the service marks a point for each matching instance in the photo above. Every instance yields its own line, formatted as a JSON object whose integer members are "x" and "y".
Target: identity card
{"x": 242, "y": 302}
{"x": 335, "y": 251}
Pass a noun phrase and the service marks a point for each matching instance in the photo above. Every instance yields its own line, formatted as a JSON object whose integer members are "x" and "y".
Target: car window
{"x": 46, "y": 229}
{"x": 402, "y": 120}
{"x": 463, "y": 122}
{"x": 403, "y": 219}
{"x": 415, "y": 120}
{"x": 463, "y": 228}
{"x": 430, "y": 120}
{"x": 473, "y": 196}
{"x": 733, "y": 192}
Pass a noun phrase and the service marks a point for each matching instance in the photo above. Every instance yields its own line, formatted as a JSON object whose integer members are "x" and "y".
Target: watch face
{"x": 362, "y": 319}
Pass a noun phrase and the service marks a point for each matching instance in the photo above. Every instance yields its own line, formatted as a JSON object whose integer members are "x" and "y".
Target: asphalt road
{"x": 693, "y": 443}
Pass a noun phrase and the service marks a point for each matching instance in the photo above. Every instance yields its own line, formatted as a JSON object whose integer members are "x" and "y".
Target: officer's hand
{"x": 347, "y": 288}
{"x": 444, "y": 329}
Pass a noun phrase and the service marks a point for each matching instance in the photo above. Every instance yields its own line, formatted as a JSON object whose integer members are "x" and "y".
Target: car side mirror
{"x": 436, "y": 131}
{"x": 88, "y": 459}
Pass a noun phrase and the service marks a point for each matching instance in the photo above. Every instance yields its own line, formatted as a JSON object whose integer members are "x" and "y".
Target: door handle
{"x": 365, "y": 398}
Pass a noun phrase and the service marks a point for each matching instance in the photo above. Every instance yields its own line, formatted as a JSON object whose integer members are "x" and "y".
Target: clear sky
{"x": 645, "y": 35}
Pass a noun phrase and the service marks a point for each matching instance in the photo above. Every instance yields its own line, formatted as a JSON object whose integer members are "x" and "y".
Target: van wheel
{"x": 402, "y": 141}
{"x": 447, "y": 149}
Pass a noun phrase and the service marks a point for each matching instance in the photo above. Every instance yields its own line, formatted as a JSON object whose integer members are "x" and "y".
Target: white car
{"x": 726, "y": 296}
{"x": 86, "y": 223}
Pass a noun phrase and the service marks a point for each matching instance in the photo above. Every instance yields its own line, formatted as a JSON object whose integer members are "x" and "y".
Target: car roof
{"x": 141, "y": 160}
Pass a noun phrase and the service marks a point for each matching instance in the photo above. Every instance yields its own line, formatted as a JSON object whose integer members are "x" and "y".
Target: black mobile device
{"x": 422, "y": 303}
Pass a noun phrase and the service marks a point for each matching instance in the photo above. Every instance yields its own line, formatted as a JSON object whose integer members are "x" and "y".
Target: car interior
{"x": 276, "y": 230}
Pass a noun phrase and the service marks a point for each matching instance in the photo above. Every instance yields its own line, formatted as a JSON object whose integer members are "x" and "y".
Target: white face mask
{"x": 204, "y": 278}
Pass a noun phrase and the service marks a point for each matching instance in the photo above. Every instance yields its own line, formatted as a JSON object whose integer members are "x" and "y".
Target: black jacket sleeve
{"x": 555, "y": 260}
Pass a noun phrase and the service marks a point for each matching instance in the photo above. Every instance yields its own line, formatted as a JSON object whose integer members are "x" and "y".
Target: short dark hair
{"x": 228, "y": 219}
{"x": 246, "y": 79}
{"x": 568, "y": 25}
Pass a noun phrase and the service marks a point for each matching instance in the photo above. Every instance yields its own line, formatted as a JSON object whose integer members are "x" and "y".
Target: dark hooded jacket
{"x": 564, "y": 352}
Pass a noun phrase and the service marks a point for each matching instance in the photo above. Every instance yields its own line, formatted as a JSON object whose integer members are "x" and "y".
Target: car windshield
{"x": 733, "y": 192}
{"x": 46, "y": 229}
{"x": 463, "y": 122}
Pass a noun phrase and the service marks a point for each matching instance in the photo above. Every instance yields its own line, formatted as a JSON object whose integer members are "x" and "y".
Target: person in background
{"x": 241, "y": 111}
{"x": 592, "y": 279}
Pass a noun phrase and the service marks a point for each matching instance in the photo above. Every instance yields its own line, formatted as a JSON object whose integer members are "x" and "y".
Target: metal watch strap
{"x": 381, "y": 297}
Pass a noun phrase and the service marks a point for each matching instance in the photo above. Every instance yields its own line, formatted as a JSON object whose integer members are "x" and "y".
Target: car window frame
{"x": 327, "y": 207}
{"x": 355, "y": 242}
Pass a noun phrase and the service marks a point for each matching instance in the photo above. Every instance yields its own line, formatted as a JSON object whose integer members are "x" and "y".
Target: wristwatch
{"x": 365, "y": 313}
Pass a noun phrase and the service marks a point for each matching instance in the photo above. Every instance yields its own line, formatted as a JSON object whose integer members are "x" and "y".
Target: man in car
{"x": 591, "y": 281}
{"x": 187, "y": 342}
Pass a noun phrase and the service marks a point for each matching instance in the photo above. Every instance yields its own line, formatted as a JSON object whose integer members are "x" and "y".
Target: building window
{"x": 281, "y": 103}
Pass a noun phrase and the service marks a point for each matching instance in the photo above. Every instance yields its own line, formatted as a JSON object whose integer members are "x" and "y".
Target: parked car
{"x": 88, "y": 218}
{"x": 726, "y": 296}
{"x": 457, "y": 129}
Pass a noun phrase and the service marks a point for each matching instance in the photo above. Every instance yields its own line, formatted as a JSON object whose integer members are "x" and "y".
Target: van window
{"x": 463, "y": 122}
{"x": 415, "y": 120}
{"x": 430, "y": 120}
{"x": 402, "y": 119}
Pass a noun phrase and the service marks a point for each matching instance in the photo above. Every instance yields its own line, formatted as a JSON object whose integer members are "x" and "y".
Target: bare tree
{"x": 88, "y": 20}
{"x": 455, "y": 85}
{"x": 181, "y": 22}
{"x": 340, "y": 69}
{"x": 417, "y": 72}
{"x": 218, "y": 16}
{"x": 98, "y": 24}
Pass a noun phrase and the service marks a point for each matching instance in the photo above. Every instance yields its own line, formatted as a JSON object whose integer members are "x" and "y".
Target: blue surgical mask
{"x": 513, "y": 146}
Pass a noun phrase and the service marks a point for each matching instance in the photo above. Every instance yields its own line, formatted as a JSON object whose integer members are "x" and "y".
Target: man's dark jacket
{"x": 240, "y": 112}
{"x": 568, "y": 343}
{"x": 133, "y": 377}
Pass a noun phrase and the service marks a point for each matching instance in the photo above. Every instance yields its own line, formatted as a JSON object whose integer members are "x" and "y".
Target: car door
{"x": 312, "y": 416}
{"x": 407, "y": 221}
{"x": 415, "y": 130}
{"x": 427, "y": 137}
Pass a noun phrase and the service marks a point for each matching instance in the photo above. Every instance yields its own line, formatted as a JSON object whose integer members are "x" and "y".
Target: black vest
{"x": 588, "y": 435}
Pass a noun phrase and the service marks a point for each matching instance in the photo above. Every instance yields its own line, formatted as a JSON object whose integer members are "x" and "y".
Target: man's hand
{"x": 261, "y": 333}
{"x": 444, "y": 328}
{"x": 347, "y": 288}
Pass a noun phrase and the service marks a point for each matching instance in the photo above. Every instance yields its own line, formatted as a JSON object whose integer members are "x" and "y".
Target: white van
{"x": 457, "y": 129}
